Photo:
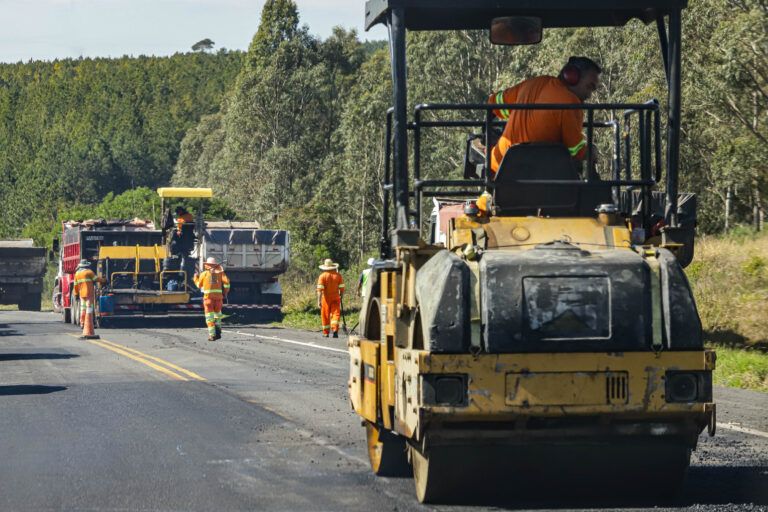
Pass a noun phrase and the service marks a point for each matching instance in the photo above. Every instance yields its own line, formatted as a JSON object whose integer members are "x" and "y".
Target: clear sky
{"x": 50, "y": 29}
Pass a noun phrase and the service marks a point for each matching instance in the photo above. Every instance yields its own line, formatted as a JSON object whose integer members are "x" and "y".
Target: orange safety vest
{"x": 214, "y": 283}
{"x": 84, "y": 280}
{"x": 331, "y": 284}
{"x": 562, "y": 126}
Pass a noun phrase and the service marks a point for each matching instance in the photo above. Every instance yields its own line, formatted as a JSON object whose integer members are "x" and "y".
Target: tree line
{"x": 291, "y": 133}
{"x": 73, "y": 131}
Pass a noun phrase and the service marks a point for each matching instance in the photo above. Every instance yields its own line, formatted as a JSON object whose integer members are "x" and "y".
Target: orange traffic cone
{"x": 87, "y": 320}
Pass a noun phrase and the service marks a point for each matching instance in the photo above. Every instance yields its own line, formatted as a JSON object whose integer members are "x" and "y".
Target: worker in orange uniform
{"x": 330, "y": 288}
{"x": 184, "y": 240}
{"x": 215, "y": 285}
{"x": 84, "y": 288}
{"x": 182, "y": 217}
{"x": 577, "y": 80}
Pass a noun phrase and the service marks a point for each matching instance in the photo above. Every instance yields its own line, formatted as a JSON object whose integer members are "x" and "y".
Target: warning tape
{"x": 231, "y": 306}
{"x": 200, "y": 306}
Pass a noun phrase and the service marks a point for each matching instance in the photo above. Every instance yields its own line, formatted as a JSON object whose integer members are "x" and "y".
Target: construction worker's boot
{"x": 335, "y": 334}
{"x": 218, "y": 332}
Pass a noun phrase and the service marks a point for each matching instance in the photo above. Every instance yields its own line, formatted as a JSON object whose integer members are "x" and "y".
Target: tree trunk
{"x": 727, "y": 209}
{"x": 362, "y": 216}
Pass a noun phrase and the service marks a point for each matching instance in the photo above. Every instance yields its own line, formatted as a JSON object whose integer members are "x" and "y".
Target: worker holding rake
{"x": 330, "y": 289}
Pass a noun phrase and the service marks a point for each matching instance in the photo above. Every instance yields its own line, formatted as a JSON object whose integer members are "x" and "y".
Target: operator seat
{"x": 536, "y": 161}
{"x": 545, "y": 161}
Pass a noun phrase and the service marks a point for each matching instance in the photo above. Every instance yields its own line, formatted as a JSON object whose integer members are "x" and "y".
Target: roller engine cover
{"x": 559, "y": 298}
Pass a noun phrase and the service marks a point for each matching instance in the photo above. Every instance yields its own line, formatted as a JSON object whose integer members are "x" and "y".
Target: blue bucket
{"x": 107, "y": 304}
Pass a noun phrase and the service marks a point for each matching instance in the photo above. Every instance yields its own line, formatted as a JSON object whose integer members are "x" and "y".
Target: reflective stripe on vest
{"x": 575, "y": 149}
{"x": 501, "y": 114}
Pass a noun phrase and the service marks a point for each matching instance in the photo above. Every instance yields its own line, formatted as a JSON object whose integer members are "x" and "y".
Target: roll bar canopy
{"x": 402, "y": 15}
{"x": 477, "y": 14}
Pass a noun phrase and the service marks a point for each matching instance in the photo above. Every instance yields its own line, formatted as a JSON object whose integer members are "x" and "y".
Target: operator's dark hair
{"x": 583, "y": 64}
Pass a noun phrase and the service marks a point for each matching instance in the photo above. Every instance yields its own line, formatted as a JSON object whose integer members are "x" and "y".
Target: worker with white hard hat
{"x": 364, "y": 278}
{"x": 215, "y": 286}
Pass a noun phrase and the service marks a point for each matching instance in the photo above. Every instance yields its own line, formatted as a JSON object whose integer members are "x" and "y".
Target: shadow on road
{"x": 727, "y": 484}
{"x": 183, "y": 322}
{"x": 29, "y": 390}
{"x": 24, "y": 357}
{"x": 707, "y": 485}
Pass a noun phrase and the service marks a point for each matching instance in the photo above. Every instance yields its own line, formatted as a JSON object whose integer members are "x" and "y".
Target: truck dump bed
{"x": 22, "y": 267}
{"x": 252, "y": 250}
{"x": 18, "y": 258}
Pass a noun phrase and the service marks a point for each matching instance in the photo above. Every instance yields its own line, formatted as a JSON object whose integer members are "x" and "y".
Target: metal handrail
{"x": 135, "y": 276}
{"x": 644, "y": 111}
{"x": 184, "y": 272}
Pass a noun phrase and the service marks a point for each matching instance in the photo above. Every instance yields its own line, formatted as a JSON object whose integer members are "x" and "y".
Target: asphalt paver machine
{"x": 558, "y": 335}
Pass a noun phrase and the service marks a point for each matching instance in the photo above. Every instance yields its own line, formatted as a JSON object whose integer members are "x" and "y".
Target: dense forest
{"x": 291, "y": 133}
{"x": 73, "y": 131}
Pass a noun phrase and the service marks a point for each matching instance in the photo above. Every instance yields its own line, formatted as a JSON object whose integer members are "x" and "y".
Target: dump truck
{"x": 22, "y": 267}
{"x": 252, "y": 258}
{"x": 83, "y": 240}
{"x": 556, "y": 335}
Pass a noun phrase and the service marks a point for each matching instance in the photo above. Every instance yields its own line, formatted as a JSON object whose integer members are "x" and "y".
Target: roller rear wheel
{"x": 431, "y": 475}
{"x": 386, "y": 451}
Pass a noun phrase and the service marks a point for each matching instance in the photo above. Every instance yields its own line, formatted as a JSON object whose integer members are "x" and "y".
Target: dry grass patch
{"x": 729, "y": 277}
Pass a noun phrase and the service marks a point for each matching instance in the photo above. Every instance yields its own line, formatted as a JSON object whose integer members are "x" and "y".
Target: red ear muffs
{"x": 571, "y": 75}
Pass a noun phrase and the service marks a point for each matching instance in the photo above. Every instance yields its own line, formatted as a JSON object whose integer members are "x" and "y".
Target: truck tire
{"x": 56, "y": 298}
{"x": 75, "y": 310}
{"x": 30, "y": 303}
{"x": 66, "y": 314}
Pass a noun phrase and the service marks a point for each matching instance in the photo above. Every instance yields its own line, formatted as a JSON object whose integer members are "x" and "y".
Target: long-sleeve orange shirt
{"x": 331, "y": 284}
{"x": 562, "y": 126}
{"x": 184, "y": 218}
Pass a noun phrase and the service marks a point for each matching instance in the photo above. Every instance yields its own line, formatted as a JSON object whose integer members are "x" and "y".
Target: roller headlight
{"x": 444, "y": 390}
{"x": 688, "y": 386}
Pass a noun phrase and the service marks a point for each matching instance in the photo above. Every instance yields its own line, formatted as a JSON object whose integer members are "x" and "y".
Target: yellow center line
{"x": 135, "y": 358}
{"x": 166, "y": 363}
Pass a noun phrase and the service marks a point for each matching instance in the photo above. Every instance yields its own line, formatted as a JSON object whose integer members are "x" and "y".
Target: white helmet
{"x": 211, "y": 261}
{"x": 371, "y": 261}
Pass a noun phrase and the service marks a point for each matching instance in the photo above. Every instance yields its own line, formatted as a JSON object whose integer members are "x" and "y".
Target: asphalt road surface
{"x": 158, "y": 418}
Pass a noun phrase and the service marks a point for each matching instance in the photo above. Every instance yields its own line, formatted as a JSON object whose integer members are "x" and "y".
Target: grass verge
{"x": 300, "y": 303}
{"x": 729, "y": 278}
{"x": 741, "y": 368}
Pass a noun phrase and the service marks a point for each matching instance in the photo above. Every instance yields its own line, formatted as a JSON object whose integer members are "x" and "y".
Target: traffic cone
{"x": 88, "y": 332}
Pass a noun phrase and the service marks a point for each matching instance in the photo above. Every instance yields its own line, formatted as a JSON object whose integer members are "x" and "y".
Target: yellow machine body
{"x": 516, "y": 399}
